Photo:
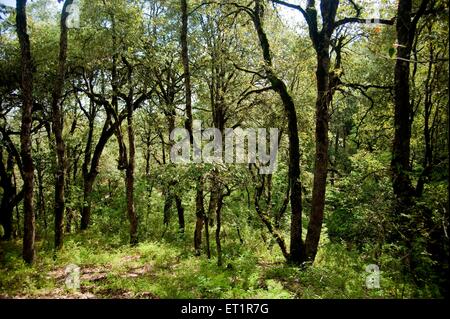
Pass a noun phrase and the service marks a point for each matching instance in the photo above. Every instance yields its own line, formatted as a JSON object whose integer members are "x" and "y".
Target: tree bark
{"x": 131, "y": 212}
{"x": 58, "y": 123}
{"x": 90, "y": 167}
{"x": 321, "y": 158}
{"x": 180, "y": 211}
{"x": 8, "y": 197}
{"x": 403, "y": 118}
{"x": 218, "y": 228}
{"x": 185, "y": 59}
{"x": 400, "y": 166}
{"x": 25, "y": 132}
{"x": 42, "y": 210}
{"x": 200, "y": 216}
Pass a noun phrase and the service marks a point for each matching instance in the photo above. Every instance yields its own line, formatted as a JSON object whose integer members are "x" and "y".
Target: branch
{"x": 201, "y": 5}
{"x": 249, "y": 71}
{"x": 312, "y": 24}
{"x": 254, "y": 91}
{"x": 364, "y": 21}
{"x": 243, "y": 8}
{"x": 367, "y": 86}
{"x": 356, "y": 7}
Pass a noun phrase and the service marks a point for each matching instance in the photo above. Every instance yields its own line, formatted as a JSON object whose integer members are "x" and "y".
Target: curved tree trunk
{"x": 296, "y": 254}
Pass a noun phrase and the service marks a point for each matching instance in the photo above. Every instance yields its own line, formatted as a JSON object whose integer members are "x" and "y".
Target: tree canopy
{"x": 91, "y": 93}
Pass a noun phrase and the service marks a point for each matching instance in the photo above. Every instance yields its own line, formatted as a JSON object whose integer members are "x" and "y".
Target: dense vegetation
{"x": 357, "y": 89}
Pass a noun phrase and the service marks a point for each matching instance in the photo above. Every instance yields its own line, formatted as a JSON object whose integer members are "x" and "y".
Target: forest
{"x": 246, "y": 149}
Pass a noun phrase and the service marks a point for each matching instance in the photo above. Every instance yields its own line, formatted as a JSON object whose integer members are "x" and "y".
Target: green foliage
{"x": 169, "y": 270}
{"x": 360, "y": 228}
{"x": 358, "y": 204}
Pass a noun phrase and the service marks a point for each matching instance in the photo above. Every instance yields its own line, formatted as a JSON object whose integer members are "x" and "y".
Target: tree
{"x": 58, "y": 122}
{"x": 400, "y": 164}
{"x": 10, "y": 196}
{"x": 321, "y": 40}
{"x": 25, "y": 132}
{"x": 297, "y": 253}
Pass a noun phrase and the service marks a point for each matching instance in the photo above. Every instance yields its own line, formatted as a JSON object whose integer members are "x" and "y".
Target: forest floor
{"x": 171, "y": 270}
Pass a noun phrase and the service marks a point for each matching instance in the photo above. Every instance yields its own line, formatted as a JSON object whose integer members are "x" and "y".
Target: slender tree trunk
{"x": 321, "y": 41}
{"x": 86, "y": 209}
{"x": 18, "y": 232}
{"x": 25, "y": 132}
{"x": 185, "y": 59}
{"x": 180, "y": 211}
{"x": 211, "y": 206}
{"x": 321, "y": 158}
{"x": 200, "y": 216}
{"x": 170, "y": 194}
{"x": 264, "y": 216}
{"x": 42, "y": 210}
{"x": 334, "y": 162}
{"x": 428, "y": 107}
{"x": 90, "y": 165}
{"x": 296, "y": 242}
{"x": 9, "y": 192}
{"x": 6, "y": 214}
{"x": 132, "y": 217}
{"x": 87, "y": 189}
{"x": 218, "y": 228}
{"x": 208, "y": 246}
{"x": 403, "y": 118}
{"x": 167, "y": 206}
{"x": 58, "y": 122}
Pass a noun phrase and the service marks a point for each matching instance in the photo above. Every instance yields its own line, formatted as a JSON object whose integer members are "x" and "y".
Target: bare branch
{"x": 364, "y": 21}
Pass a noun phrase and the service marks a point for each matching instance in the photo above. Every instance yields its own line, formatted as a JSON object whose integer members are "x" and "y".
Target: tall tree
{"x": 185, "y": 60}
{"x": 321, "y": 40}
{"x": 128, "y": 161}
{"x": 400, "y": 165}
{"x": 58, "y": 126}
{"x": 297, "y": 253}
{"x": 25, "y": 132}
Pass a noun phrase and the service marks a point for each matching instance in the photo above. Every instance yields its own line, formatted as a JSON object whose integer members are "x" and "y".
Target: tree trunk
{"x": 428, "y": 107}
{"x": 403, "y": 118}
{"x": 296, "y": 243}
{"x": 6, "y": 214}
{"x": 200, "y": 215}
{"x": 9, "y": 192}
{"x": 58, "y": 122}
{"x": 42, "y": 210}
{"x": 167, "y": 206}
{"x": 90, "y": 165}
{"x": 180, "y": 211}
{"x": 211, "y": 206}
{"x": 25, "y": 132}
{"x": 321, "y": 158}
{"x": 401, "y": 181}
{"x": 86, "y": 209}
{"x": 185, "y": 59}
{"x": 218, "y": 228}
{"x": 130, "y": 177}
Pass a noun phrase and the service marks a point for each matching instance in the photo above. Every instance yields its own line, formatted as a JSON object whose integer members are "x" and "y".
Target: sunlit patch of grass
{"x": 165, "y": 269}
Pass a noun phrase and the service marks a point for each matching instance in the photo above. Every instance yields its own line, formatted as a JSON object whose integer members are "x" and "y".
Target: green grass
{"x": 169, "y": 269}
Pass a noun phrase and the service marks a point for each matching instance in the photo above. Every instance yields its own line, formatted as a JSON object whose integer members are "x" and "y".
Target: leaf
{"x": 391, "y": 52}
